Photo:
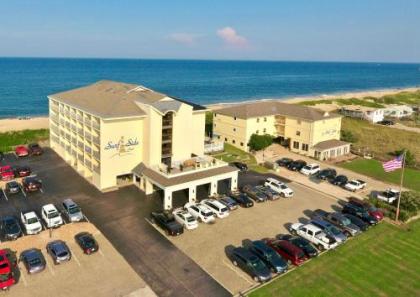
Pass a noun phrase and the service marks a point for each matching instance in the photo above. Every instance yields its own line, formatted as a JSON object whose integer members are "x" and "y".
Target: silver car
{"x": 33, "y": 260}
{"x": 72, "y": 211}
{"x": 59, "y": 251}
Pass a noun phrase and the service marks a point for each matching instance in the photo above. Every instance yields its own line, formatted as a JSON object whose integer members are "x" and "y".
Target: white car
{"x": 279, "y": 187}
{"x": 315, "y": 235}
{"x": 354, "y": 185}
{"x": 201, "y": 212}
{"x": 390, "y": 195}
{"x": 310, "y": 169}
{"x": 183, "y": 217}
{"x": 31, "y": 222}
{"x": 51, "y": 216}
{"x": 217, "y": 207}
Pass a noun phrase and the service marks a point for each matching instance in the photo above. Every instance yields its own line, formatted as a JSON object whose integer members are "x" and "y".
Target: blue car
{"x": 269, "y": 256}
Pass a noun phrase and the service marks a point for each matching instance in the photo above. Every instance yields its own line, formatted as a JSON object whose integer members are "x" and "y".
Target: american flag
{"x": 393, "y": 164}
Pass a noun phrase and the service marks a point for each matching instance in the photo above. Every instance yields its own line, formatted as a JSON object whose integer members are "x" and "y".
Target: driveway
{"x": 121, "y": 217}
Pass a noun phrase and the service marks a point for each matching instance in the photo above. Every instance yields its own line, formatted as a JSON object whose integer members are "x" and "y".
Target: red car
{"x": 288, "y": 251}
{"x": 7, "y": 278}
{"x": 366, "y": 206}
{"x": 22, "y": 171}
{"x": 7, "y": 173}
{"x": 31, "y": 184}
{"x": 21, "y": 151}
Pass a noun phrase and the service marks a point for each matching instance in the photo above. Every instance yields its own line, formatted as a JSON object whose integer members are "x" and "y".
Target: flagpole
{"x": 401, "y": 184}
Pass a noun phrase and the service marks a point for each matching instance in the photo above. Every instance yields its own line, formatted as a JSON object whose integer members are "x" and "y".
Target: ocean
{"x": 26, "y": 82}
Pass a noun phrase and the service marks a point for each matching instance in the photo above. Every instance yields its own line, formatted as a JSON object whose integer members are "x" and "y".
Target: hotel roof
{"x": 110, "y": 99}
{"x": 267, "y": 108}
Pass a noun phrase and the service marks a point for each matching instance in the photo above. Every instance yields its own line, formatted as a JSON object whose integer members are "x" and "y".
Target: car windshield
{"x": 270, "y": 254}
{"x": 11, "y": 226}
{"x": 12, "y": 184}
{"x": 257, "y": 264}
{"x": 372, "y": 208}
{"x": 283, "y": 187}
{"x": 4, "y": 277}
{"x": 260, "y": 195}
{"x": 88, "y": 242}
{"x": 34, "y": 261}
{"x": 307, "y": 167}
{"x": 74, "y": 209}
{"x": 301, "y": 255}
{"x": 334, "y": 230}
{"x": 62, "y": 254}
{"x": 190, "y": 219}
{"x": 224, "y": 209}
{"x": 346, "y": 221}
{"x": 32, "y": 220}
{"x": 52, "y": 215}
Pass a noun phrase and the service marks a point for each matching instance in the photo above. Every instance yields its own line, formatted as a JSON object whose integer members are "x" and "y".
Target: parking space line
{"x": 4, "y": 194}
{"x": 87, "y": 220}
{"x": 75, "y": 258}
{"x": 22, "y": 276}
{"x": 41, "y": 190}
{"x": 49, "y": 265}
{"x": 23, "y": 192}
{"x": 234, "y": 270}
{"x": 100, "y": 252}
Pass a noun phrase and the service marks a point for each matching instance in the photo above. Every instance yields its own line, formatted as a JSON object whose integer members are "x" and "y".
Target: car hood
{"x": 377, "y": 214}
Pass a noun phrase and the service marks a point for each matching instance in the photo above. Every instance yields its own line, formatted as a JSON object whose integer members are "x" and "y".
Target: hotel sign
{"x": 122, "y": 147}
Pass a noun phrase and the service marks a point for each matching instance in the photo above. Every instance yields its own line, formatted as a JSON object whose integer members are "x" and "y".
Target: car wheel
{"x": 289, "y": 262}
{"x": 321, "y": 247}
{"x": 235, "y": 263}
{"x": 283, "y": 195}
{"x": 256, "y": 278}
{"x": 347, "y": 233}
{"x": 293, "y": 232}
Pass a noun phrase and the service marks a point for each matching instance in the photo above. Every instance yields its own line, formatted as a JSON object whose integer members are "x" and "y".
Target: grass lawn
{"x": 381, "y": 140}
{"x": 10, "y": 139}
{"x": 232, "y": 154}
{"x": 374, "y": 169}
{"x": 384, "y": 261}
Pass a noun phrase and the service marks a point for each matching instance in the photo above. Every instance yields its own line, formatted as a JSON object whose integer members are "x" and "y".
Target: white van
{"x": 279, "y": 187}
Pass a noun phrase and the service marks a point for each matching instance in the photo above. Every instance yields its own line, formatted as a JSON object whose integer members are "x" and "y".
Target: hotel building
{"x": 116, "y": 134}
{"x": 305, "y": 130}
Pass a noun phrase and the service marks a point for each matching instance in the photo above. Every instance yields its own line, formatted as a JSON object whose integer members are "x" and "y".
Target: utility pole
{"x": 397, "y": 213}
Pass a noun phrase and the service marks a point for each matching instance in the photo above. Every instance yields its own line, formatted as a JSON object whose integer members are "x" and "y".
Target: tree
{"x": 410, "y": 201}
{"x": 410, "y": 159}
{"x": 209, "y": 124}
{"x": 260, "y": 142}
{"x": 348, "y": 136}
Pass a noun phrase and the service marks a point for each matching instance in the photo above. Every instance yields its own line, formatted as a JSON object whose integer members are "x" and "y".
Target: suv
{"x": 296, "y": 165}
{"x": 339, "y": 180}
{"x": 251, "y": 264}
{"x": 167, "y": 222}
{"x": 343, "y": 223}
{"x": 284, "y": 162}
{"x": 327, "y": 174}
{"x": 31, "y": 222}
{"x": 229, "y": 202}
{"x": 302, "y": 243}
{"x": 242, "y": 199}
{"x": 72, "y": 211}
{"x": 288, "y": 251}
{"x": 51, "y": 216}
{"x": 310, "y": 169}
{"x": 217, "y": 207}
{"x": 355, "y": 185}
{"x": 360, "y": 213}
{"x": 201, "y": 212}
{"x": 7, "y": 173}
{"x": 255, "y": 194}
{"x": 10, "y": 228}
{"x": 183, "y": 217}
{"x": 279, "y": 187}
{"x": 271, "y": 194}
{"x": 366, "y": 206}
{"x": 31, "y": 184}
{"x": 268, "y": 256}
{"x": 329, "y": 229}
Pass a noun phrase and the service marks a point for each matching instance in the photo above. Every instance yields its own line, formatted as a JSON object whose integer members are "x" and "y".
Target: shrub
{"x": 260, "y": 142}
{"x": 409, "y": 206}
{"x": 348, "y": 136}
{"x": 410, "y": 159}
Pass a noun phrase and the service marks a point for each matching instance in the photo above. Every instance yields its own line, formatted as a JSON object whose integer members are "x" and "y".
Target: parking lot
{"x": 208, "y": 245}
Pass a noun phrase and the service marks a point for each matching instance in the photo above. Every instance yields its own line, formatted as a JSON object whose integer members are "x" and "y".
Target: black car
{"x": 340, "y": 180}
{"x": 357, "y": 221}
{"x": 327, "y": 174}
{"x": 31, "y": 184}
{"x": 22, "y": 171}
{"x": 229, "y": 202}
{"x": 251, "y": 264}
{"x": 360, "y": 213}
{"x": 241, "y": 166}
{"x": 10, "y": 228}
{"x": 296, "y": 165}
{"x": 386, "y": 123}
{"x": 242, "y": 199}
{"x": 87, "y": 243}
{"x": 269, "y": 256}
{"x": 35, "y": 149}
{"x": 284, "y": 162}
{"x": 12, "y": 187}
{"x": 301, "y": 243}
{"x": 33, "y": 260}
{"x": 254, "y": 193}
{"x": 166, "y": 221}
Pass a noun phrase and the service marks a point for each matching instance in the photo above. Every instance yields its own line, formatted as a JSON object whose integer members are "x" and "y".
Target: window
{"x": 234, "y": 129}
{"x": 225, "y": 139}
{"x": 234, "y": 118}
{"x": 218, "y": 137}
{"x": 242, "y": 144}
{"x": 299, "y": 122}
{"x": 258, "y": 120}
{"x": 215, "y": 114}
{"x": 265, "y": 119}
{"x": 265, "y": 130}
{"x": 257, "y": 132}
{"x": 305, "y": 147}
{"x": 297, "y": 133}
{"x": 215, "y": 124}
{"x": 295, "y": 145}
{"x": 233, "y": 141}
{"x": 346, "y": 149}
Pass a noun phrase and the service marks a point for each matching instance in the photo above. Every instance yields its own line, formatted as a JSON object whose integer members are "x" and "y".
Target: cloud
{"x": 184, "y": 38}
{"x": 231, "y": 37}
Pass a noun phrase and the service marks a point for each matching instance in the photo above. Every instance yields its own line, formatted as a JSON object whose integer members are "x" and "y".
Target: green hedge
{"x": 409, "y": 206}
{"x": 8, "y": 140}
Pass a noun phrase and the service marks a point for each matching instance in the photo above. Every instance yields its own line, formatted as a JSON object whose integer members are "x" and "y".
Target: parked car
{"x": 72, "y": 211}
{"x": 386, "y": 123}
{"x": 167, "y": 222}
{"x": 366, "y": 206}
{"x": 329, "y": 229}
{"x": 363, "y": 226}
{"x": 390, "y": 195}
{"x": 6, "y": 173}
{"x": 51, "y": 216}
{"x": 271, "y": 194}
{"x": 21, "y": 151}
{"x": 315, "y": 235}
{"x": 10, "y": 228}
{"x": 87, "y": 242}
{"x": 302, "y": 243}
{"x": 284, "y": 162}
{"x": 254, "y": 193}
{"x": 241, "y": 166}
{"x": 59, "y": 251}
{"x": 269, "y": 256}
{"x": 31, "y": 184}
{"x": 310, "y": 169}
{"x": 360, "y": 213}
{"x": 242, "y": 199}
{"x": 7, "y": 277}
{"x": 35, "y": 149}
{"x": 327, "y": 174}
{"x": 355, "y": 185}
{"x": 31, "y": 222}
{"x": 251, "y": 264}
{"x": 217, "y": 207}
{"x": 291, "y": 253}
{"x": 22, "y": 171}
{"x": 34, "y": 260}
{"x": 296, "y": 165}
{"x": 279, "y": 187}
{"x": 339, "y": 220}
{"x": 229, "y": 202}
{"x": 183, "y": 217}
{"x": 201, "y": 212}
{"x": 340, "y": 180}
{"x": 12, "y": 187}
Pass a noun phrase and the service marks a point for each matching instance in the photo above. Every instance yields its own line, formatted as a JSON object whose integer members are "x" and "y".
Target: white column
{"x": 234, "y": 182}
{"x": 148, "y": 187}
{"x": 213, "y": 188}
{"x": 192, "y": 193}
{"x": 167, "y": 199}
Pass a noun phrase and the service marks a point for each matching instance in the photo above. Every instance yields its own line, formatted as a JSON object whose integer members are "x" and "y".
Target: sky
{"x": 298, "y": 30}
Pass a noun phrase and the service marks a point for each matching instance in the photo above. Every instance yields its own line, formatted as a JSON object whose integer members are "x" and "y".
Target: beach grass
{"x": 384, "y": 261}
{"x": 8, "y": 140}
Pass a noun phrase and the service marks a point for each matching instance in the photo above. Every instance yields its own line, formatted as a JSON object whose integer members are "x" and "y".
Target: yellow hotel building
{"x": 116, "y": 134}
{"x": 306, "y": 130}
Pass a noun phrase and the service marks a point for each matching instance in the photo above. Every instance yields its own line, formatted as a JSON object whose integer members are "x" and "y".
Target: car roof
{"x": 261, "y": 245}
{"x": 69, "y": 202}
{"x": 245, "y": 253}
{"x": 312, "y": 227}
{"x": 286, "y": 244}
{"x": 49, "y": 207}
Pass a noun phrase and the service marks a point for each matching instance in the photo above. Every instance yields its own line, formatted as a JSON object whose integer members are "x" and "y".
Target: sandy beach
{"x": 16, "y": 124}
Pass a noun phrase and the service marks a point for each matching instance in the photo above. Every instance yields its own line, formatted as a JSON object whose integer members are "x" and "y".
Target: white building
{"x": 398, "y": 111}
{"x": 370, "y": 114}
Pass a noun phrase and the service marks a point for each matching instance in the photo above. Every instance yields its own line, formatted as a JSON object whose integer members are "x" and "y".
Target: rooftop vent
{"x": 138, "y": 89}
{"x": 326, "y": 114}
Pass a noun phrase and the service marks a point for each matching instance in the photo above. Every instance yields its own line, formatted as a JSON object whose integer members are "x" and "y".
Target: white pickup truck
{"x": 279, "y": 187}
{"x": 315, "y": 235}
{"x": 390, "y": 195}
{"x": 355, "y": 185}
{"x": 31, "y": 222}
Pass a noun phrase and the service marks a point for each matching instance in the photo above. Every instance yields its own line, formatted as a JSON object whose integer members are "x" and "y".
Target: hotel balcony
{"x": 72, "y": 115}
{"x": 79, "y": 118}
{"x": 74, "y": 140}
{"x": 88, "y": 149}
{"x": 80, "y": 131}
{"x": 80, "y": 145}
{"x": 80, "y": 157}
{"x": 95, "y": 125}
{"x": 95, "y": 139}
{"x": 96, "y": 155}
{"x": 88, "y": 164}
{"x": 97, "y": 168}
{"x": 87, "y": 121}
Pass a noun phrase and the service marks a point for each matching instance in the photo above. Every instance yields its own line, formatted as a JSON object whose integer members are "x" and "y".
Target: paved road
{"x": 121, "y": 217}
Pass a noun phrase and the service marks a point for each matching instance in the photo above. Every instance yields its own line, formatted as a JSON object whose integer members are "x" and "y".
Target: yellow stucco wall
{"x": 231, "y": 130}
{"x": 181, "y": 133}
{"x": 197, "y": 128}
